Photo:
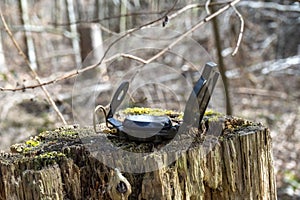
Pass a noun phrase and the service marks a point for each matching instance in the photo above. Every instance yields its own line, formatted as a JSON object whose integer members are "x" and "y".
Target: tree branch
{"x": 178, "y": 10}
{"x": 238, "y": 43}
{"x": 74, "y": 73}
{"x": 195, "y": 27}
{"x": 33, "y": 73}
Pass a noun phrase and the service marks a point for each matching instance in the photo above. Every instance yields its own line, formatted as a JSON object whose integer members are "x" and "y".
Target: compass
{"x": 149, "y": 128}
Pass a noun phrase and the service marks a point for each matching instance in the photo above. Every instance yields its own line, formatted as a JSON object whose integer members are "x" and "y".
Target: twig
{"x": 133, "y": 58}
{"x": 190, "y": 6}
{"x": 238, "y": 43}
{"x": 207, "y": 4}
{"x": 195, "y": 27}
{"x": 73, "y": 73}
{"x": 34, "y": 74}
{"x": 103, "y": 28}
{"x": 184, "y": 35}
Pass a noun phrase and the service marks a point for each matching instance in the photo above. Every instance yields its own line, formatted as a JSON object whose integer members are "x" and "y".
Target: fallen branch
{"x": 42, "y": 29}
{"x": 261, "y": 92}
{"x": 270, "y": 5}
{"x": 267, "y": 67}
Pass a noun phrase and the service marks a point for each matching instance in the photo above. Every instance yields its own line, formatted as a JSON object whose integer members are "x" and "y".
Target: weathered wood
{"x": 61, "y": 164}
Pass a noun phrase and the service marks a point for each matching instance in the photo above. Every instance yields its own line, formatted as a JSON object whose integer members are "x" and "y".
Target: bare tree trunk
{"x": 73, "y": 29}
{"x": 58, "y": 12}
{"x": 66, "y": 164}
{"x": 3, "y": 68}
{"x": 90, "y": 42}
{"x": 91, "y": 45}
{"x": 28, "y": 35}
{"x": 123, "y": 11}
{"x": 221, "y": 65}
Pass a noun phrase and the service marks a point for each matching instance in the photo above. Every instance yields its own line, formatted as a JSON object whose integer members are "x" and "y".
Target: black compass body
{"x": 148, "y": 128}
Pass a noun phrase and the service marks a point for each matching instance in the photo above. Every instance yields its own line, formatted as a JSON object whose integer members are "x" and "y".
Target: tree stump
{"x": 63, "y": 164}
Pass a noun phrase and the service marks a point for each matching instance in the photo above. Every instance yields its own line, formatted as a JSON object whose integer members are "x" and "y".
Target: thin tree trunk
{"x": 3, "y": 68}
{"x": 221, "y": 65}
{"x": 73, "y": 29}
{"x": 90, "y": 42}
{"x": 123, "y": 11}
{"x": 28, "y": 35}
{"x": 58, "y": 12}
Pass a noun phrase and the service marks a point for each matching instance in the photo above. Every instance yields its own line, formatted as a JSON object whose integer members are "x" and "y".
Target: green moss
{"x": 211, "y": 112}
{"x": 68, "y": 132}
{"x": 213, "y": 118}
{"x": 46, "y": 159}
{"x": 27, "y": 146}
{"x": 63, "y": 132}
{"x": 159, "y": 112}
{"x": 212, "y": 115}
{"x": 33, "y": 142}
{"x": 50, "y": 155}
{"x": 153, "y": 112}
{"x": 27, "y": 149}
{"x": 44, "y": 134}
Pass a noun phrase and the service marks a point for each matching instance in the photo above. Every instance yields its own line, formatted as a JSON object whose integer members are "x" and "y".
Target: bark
{"x": 222, "y": 68}
{"x": 61, "y": 164}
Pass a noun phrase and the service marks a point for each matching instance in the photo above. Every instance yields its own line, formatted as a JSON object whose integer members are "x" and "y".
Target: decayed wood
{"x": 56, "y": 165}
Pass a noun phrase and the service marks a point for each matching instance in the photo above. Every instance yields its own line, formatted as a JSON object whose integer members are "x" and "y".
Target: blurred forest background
{"x": 263, "y": 78}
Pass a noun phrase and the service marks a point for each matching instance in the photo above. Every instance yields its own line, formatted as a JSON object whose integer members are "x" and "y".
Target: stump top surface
{"x": 50, "y": 145}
